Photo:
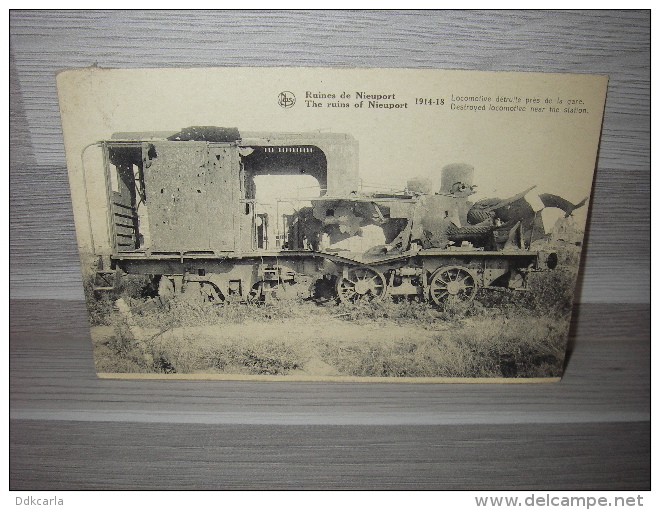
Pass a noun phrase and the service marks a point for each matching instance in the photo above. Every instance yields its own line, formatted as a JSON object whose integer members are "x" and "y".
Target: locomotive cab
{"x": 210, "y": 191}
{"x": 279, "y": 180}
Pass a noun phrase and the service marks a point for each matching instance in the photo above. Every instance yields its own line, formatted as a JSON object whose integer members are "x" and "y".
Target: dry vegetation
{"x": 501, "y": 334}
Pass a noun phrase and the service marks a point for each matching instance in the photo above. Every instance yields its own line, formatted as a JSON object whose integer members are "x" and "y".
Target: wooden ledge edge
{"x": 338, "y": 379}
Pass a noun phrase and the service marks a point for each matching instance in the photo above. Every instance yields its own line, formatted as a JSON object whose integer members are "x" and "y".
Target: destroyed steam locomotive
{"x": 184, "y": 208}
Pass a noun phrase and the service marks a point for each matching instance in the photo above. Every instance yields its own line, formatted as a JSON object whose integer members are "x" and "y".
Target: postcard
{"x": 297, "y": 224}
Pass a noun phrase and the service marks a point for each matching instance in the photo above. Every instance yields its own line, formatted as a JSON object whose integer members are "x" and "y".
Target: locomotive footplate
{"x": 427, "y": 274}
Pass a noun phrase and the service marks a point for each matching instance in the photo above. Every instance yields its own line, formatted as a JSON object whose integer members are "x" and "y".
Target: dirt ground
{"x": 304, "y": 336}
{"x": 315, "y": 341}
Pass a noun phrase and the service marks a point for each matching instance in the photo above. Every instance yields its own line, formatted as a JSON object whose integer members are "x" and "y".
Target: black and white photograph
{"x": 330, "y": 224}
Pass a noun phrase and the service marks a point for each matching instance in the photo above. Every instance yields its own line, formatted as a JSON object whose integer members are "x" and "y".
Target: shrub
{"x": 547, "y": 293}
{"x": 100, "y": 305}
{"x": 183, "y": 354}
{"x": 134, "y": 286}
{"x": 178, "y": 313}
{"x": 119, "y": 353}
{"x": 406, "y": 359}
{"x": 410, "y": 310}
{"x": 523, "y": 346}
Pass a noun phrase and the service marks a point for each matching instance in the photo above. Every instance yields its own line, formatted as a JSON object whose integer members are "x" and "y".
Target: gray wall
{"x": 44, "y": 260}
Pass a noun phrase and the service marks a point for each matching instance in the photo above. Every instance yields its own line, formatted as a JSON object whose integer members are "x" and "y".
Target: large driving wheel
{"x": 452, "y": 283}
{"x": 360, "y": 284}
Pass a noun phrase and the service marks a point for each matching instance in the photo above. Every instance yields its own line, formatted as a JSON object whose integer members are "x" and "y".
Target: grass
{"x": 405, "y": 311}
{"x": 478, "y": 348}
{"x": 482, "y": 342}
{"x": 185, "y": 355}
{"x": 120, "y": 353}
{"x": 100, "y": 305}
{"x": 178, "y": 314}
{"x": 501, "y": 334}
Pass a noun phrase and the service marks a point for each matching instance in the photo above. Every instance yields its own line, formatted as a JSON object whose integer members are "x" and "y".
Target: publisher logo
{"x": 286, "y": 99}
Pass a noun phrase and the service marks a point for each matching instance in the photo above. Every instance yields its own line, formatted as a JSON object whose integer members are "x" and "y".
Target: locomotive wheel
{"x": 452, "y": 283}
{"x": 360, "y": 284}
